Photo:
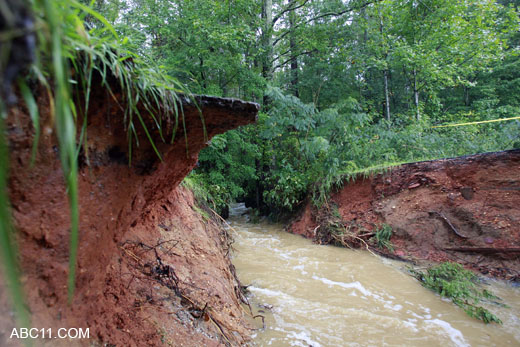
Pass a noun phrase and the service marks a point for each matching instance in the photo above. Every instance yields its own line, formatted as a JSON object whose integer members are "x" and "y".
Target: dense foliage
{"x": 345, "y": 86}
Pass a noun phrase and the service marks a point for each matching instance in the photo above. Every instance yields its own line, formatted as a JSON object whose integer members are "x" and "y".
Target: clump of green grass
{"x": 335, "y": 180}
{"x": 382, "y": 237}
{"x": 461, "y": 286}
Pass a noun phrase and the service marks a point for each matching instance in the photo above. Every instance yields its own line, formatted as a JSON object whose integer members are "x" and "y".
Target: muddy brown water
{"x": 314, "y": 295}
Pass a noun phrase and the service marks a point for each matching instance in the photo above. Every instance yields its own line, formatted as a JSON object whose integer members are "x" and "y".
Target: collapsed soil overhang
{"x": 118, "y": 202}
{"x": 187, "y": 127}
{"x": 198, "y": 119}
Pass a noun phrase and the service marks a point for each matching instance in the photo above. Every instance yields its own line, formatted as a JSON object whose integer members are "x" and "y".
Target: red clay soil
{"x": 464, "y": 210}
{"x": 151, "y": 271}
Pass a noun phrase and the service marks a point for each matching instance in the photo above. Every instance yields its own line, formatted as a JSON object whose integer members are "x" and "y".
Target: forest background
{"x": 346, "y": 87}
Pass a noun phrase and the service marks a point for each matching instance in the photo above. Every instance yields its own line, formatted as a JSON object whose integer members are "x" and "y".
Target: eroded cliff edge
{"x": 151, "y": 271}
{"x": 464, "y": 210}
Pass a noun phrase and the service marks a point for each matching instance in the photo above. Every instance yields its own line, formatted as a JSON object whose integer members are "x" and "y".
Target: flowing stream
{"x": 314, "y": 295}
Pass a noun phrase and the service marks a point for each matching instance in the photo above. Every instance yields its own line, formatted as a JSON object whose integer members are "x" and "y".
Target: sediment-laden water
{"x": 314, "y": 295}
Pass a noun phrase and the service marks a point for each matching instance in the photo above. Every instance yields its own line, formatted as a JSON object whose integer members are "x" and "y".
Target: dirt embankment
{"x": 151, "y": 271}
{"x": 465, "y": 210}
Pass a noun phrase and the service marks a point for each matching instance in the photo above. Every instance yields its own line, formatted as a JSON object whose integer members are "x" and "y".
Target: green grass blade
{"x": 176, "y": 124}
{"x": 66, "y": 132}
{"x": 129, "y": 148}
{"x": 185, "y": 133}
{"x": 35, "y": 116}
{"x": 148, "y": 134}
{"x": 96, "y": 15}
{"x": 72, "y": 184}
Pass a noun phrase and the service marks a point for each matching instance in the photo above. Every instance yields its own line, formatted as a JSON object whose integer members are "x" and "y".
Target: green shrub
{"x": 288, "y": 188}
{"x": 454, "y": 282}
{"x": 206, "y": 194}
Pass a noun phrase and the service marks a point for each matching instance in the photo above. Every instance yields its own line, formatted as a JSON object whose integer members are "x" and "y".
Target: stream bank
{"x": 464, "y": 210}
{"x": 151, "y": 270}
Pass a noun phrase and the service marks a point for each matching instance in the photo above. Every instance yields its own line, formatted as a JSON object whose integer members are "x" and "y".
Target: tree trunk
{"x": 267, "y": 44}
{"x": 385, "y": 75}
{"x": 257, "y": 184}
{"x": 387, "y": 96}
{"x": 292, "y": 47}
{"x": 416, "y": 95}
{"x": 267, "y": 39}
{"x": 466, "y": 96}
{"x": 202, "y": 75}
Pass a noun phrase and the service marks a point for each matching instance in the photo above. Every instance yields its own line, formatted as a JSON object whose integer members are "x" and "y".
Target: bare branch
{"x": 294, "y": 57}
{"x": 323, "y": 15}
{"x": 290, "y": 8}
{"x": 284, "y": 53}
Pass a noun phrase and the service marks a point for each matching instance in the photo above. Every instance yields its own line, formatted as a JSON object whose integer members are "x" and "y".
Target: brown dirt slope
{"x": 151, "y": 270}
{"x": 465, "y": 210}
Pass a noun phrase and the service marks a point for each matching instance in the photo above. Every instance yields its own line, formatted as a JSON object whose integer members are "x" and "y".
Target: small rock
{"x": 414, "y": 185}
{"x": 467, "y": 193}
{"x": 266, "y": 306}
{"x": 503, "y": 224}
{"x": 489, "y": 240}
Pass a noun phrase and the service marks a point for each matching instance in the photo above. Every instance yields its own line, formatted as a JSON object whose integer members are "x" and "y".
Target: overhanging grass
{"x": 352, "y": 174}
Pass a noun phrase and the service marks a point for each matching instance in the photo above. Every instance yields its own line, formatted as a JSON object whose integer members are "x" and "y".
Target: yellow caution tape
{"x": 471, "y": 123}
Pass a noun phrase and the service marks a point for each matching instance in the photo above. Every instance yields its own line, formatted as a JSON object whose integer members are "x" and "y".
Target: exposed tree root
{"x": 333, "y": 230}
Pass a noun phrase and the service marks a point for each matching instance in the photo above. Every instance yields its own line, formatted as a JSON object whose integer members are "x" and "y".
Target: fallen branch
{"x": 314, "y": 231}
{"x": 485, "y": 250}
{"x": 222, "y": 219}
{"x": 440, "y": 214}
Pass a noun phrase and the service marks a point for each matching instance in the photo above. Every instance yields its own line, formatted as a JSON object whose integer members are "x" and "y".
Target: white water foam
{"x": 300, "y": 337}
{"x": 455, "y": 335}
{"x": 364, "y": 292}
{"x": 267, "y": 292}
{"x": 352, "y": 285}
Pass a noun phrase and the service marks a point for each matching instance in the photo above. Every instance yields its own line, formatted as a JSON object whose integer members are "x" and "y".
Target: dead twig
{"x": 230, "y": 240}
{"x": 220, "y": 329}
{"x": 263, "y": 320}
{"x": 366, "y": 245}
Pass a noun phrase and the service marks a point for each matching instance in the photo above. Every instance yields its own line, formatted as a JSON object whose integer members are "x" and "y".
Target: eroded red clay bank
{"x": 151, "y": 271}
{"x": 465, "y": 210}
